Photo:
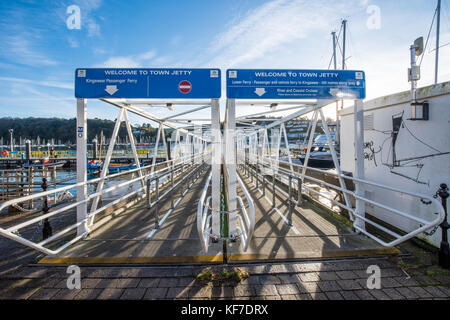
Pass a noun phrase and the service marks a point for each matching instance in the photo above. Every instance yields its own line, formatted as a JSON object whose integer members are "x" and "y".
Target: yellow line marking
{"x": 130, "y": 260}
{"x": 313, "y": 255}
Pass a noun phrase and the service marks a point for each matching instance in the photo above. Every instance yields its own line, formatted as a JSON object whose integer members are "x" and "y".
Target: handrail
{"x": 426, "y": 224}
{"x": 10, "y": 232}
{"x": 249, "y": 220}
{"x": 202, "y": 214}
{"x": 92, "y": 181}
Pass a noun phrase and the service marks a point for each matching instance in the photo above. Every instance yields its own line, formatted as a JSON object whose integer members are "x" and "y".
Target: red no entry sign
{"x": 185, "y": 86}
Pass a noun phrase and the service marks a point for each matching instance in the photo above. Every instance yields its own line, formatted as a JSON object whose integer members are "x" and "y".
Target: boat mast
{"x": 344, "y": 26}
{"x": 337, "y": 137}
{"x": 438, "y": 24}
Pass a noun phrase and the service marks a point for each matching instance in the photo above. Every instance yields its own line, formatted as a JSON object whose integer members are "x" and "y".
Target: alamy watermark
{"x": 74, "y": 278}
{"x": 374, "y": 20}
{"x": 73, "y": 21}
{"x": 374, "y": 280}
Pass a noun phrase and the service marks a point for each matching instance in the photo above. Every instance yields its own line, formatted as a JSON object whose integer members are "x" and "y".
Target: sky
{"x": 39, "y": 52}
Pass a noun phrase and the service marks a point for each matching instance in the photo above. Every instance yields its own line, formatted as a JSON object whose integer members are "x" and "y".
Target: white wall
{"x": 434, "y": 132}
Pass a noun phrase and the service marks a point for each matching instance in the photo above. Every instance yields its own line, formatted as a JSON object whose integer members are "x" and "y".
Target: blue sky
{"x": 38, "y": 53}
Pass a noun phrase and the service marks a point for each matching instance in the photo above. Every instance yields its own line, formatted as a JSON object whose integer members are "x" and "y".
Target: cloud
{"x": 93, "y": 28}
{"x": 54, "y": 104}
{"x": 175, "y": 40}
{"x": 147, "y": 55}
{"x": 117, "y": 62}
{"x": 274, "y": 25}
{"x": 131, "y": 61}
{"x": 21, "y": 50}
{"x": 53, "y": 84}
{"x": 73, "y": 43}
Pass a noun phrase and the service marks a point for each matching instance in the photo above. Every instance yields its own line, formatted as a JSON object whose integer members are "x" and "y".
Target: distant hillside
{"x": 63, "y": 130}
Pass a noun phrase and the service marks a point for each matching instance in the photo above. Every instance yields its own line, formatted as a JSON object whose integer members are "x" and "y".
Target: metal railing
{"x": 11, "y": 232}
{"x": 204, "y": 216}
{"x": 246, "y": 220}
{"x": 249, "y": 219}
{"x": 172, "y": 173}
{"x": 293, "y": 179}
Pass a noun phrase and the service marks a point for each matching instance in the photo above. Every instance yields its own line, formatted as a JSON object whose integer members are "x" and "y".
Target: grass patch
{"x": 205, "y": 276}
{"x": 407, "y": 266}
{"x": 234, "y": 275}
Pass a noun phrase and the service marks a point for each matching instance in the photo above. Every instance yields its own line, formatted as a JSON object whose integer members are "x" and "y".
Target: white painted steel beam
{"x": 358, "y": 113}
{"x": 277, "y": 102}
{"x": 107, "y": 161}
{"x": 186, "y": 112}
{"x": 143, "y": 113}
{"x": 81, "y": 132}
{"x": 216, "y": 162}
{"x": 230, "y": 163}
{"x": 133, "y": 147}
{"x": 335, "y": 160}
{"x": 269, "y": 111}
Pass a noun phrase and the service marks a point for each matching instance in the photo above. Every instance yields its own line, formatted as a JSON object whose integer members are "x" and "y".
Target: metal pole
{"x": 156, "y": 205}
{"x": 81, "y": 164}
{"x": 337, "y": 137}
{"x": 107, "y": 161}
{"x": 344, "y": 40}
{"x": 273, "y": 190}
{"x": 94, "y": 149}
{"x": 359, "y": 161}
{"x": 344, "y": 34}
{"x": 11, "y": 135}
{"x": 28, "y": 150}
{"x": 444, "y": 251}
{"x": 299, "y": 191}
{"x": 47, "y": 229}
{"x": 215, "y": 168}
{"x": 149, "y": 198}
{"x": 230, "y": 164}
{"x": 438, "y": 26}
{"x": 133, "y": 146}
{"x": 290, "y": 199}
{"x": 413, "y": 65}
{"x": 171, "y": 183}
{"x": 264, "y": 184}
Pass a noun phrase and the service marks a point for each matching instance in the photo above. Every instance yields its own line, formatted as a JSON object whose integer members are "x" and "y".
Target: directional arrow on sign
{"x": 111, "y": 89}
{"x": 260, "y": 91}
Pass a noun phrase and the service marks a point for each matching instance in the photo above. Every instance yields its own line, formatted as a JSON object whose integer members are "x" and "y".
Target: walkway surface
{"x": 334, "y": 280}
{"x": 307, "y": 232}
{"x": 131, "y": 237}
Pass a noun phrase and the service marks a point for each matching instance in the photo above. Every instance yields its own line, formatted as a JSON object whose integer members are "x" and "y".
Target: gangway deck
{"x": 130, "y": 237}
{"x": 309, "y": 233}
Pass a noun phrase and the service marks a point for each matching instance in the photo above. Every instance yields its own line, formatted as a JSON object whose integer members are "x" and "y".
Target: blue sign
{"x": 295, "y": 84}
{"x": 147, "y": 83}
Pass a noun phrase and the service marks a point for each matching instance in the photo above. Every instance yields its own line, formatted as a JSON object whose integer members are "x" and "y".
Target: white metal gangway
{"x": 190, "y": 149}
{"x": 241, "y": 144}
{"x": 262, "y": 157}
